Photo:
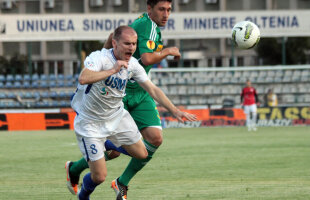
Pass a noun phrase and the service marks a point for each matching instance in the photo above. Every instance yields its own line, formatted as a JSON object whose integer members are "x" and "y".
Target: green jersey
{"x": 149, "y": 40}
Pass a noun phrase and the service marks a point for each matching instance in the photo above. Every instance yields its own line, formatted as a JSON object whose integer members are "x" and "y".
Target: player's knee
{"x": 113, "y": 154}
{"x": 99, "y": 177}
{"x": 157, "y": 140}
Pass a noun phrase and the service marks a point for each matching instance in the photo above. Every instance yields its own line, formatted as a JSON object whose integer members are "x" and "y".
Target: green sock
{"x": 78, "y": 166}
{"x": 136, "y": 165}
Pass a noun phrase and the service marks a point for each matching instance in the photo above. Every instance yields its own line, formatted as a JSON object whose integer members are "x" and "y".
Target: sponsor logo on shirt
{"x": 159, "y": 47}
{"x": 150, "y": 44}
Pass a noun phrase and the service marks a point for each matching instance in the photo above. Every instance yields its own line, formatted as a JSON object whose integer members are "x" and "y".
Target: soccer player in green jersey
{"x": 137, "y": 101}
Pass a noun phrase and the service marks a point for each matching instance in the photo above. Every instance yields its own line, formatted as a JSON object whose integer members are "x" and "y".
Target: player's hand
{"x": 119, "y": 64}
{"x": 174, "y": 51}
{"x": 179, "y": 115}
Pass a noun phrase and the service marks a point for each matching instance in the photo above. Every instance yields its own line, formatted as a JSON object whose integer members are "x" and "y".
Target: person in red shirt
{"x": 250, "y": 101}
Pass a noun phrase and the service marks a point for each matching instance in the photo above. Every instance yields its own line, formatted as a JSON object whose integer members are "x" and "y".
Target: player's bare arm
{"x": 156, "y": 57}
{"x": 88, "y": 76}
{"x": 108, "y": 43}
{"x": 162, "y": 99}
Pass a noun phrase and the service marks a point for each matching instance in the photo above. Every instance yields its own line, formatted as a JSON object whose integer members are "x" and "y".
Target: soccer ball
{"x": 245, "y": 35}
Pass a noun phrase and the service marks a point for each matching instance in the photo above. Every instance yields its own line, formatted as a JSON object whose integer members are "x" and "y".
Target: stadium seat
{"x": 55, "y": 104}
{"x": 287, "y": 79}
{"x": 269, "y": 79}
{"x": 44, "y": 84}
{"x": 8, "y": 85}
{"x": 60, "y": 83}
{"x": 26, "y": 77}
{"x": 62, "y": 94}
{"x": 11, "y": 95}
{"x": 17, "y": 84}
{"x": 28, "y": 95}
{"x": 60, "y": 77}
{"x": 254, "y": 74}
{"x": 69, "y": 77}
{"x": 18, "y": 77}
{"x": 237, "y": 74}
{"x": 35, "y": 84}
{"x": 26, "y": 84}
{"x": 9, "y": 77}
{"x": 2, "y": 85}
{"x": 35, "y": 77}
{"x": 307, "y": 98}
{"x": 2, "y": 95}
{"x": 277, "y": 79}
{"x": 53, "y": 94}
{"x": 69, "y": 84}
{"x": 44, "y": 94}
{"x": 2, "y": 78}
{"x": 76, "y": 77}
{"x": 173, "y": 90}
{"x": 52, "y": 84}
{"x": 43, "y": 77}
{"x": 52, "y": 77}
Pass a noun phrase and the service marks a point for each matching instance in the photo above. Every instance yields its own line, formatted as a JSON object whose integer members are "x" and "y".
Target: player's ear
{"x": 114, "y": 43}
{"x": 149, "y": 8}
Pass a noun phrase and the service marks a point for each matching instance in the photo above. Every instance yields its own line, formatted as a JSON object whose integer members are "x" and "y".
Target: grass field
{"x": 200, "y": 164}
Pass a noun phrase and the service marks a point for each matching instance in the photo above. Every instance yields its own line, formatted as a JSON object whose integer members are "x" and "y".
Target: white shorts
{"x": 92, "y": 148}
{"x": 250, "y": 109}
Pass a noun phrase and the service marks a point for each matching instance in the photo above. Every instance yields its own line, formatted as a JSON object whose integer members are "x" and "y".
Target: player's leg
{"x": 74, "y": 169}
{"x": 248, "y": 117}
{"x": 130, "y": 138}
{"x": 254, "y": 116}
{"x": 147, "y": 118}
{"x": 92, "y": 150}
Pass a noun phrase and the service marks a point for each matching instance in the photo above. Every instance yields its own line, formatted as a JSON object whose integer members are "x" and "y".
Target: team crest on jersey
{"x": 150, "y": 44}
{"x": 160, "y": 47}
{"x": 90, "y": 64}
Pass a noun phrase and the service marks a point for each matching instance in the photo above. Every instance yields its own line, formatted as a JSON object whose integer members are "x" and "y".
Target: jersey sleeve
{"x": 93, "y": 61}
{"x": 139, "y": 73}
{"x": 146, "y": 37}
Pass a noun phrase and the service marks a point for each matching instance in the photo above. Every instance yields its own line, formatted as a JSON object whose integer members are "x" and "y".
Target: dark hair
{"x": 152, "y": 3}
{"x": 119, "y": 30}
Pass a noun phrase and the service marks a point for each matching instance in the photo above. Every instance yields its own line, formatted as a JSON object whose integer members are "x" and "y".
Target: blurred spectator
{"x": 163, "y": 64}
{"x": 271, "y": 99}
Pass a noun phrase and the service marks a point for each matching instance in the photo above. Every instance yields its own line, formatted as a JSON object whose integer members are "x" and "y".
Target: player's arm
{"x": 256, "y": 97}
{"x": 156, "y": 57}
{"x": 162, "y": 99}
{"x": 88, "y": 76}
{"x": 108, "y": 43}
{"x": 241, "y": 96}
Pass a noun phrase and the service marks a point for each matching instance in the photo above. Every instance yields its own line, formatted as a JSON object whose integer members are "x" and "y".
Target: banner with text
{"x": 64, "y": 27}
{"x": 279, "y": 116}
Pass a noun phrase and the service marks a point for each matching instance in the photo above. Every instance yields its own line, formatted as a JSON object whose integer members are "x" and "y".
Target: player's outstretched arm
{"x": 156, "y": 57}
{"x": 162, "y": 99}
{"x": 88, "y": 76}
{"x": 108, "y": 43}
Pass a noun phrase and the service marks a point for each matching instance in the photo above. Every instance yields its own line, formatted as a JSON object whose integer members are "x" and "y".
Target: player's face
{"x": 126, "y": 45}
{"x": 248, "y": 83}
{"x": 160, "y": 12}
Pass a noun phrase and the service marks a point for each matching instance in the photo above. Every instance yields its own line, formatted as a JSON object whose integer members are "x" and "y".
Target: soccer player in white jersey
{"x": 99, "y": 107}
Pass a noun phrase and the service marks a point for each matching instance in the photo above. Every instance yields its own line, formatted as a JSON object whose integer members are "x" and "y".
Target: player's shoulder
{"x": 143, "y": 23}
{"x": 134, "y": 61}
{"x": 99, "y": 53}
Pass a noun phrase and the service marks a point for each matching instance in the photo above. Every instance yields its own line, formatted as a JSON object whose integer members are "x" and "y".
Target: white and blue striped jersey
{"x": 103, "y": 100}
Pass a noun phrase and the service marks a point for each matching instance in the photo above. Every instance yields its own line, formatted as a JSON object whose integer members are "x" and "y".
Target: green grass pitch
{"x": 200, "y": 163}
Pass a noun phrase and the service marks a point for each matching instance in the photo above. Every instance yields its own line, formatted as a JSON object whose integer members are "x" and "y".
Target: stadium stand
{"x": 185, "y": 86}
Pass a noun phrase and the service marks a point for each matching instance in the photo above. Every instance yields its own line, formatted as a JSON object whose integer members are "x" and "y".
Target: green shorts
{"x": 142, "y": 108}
